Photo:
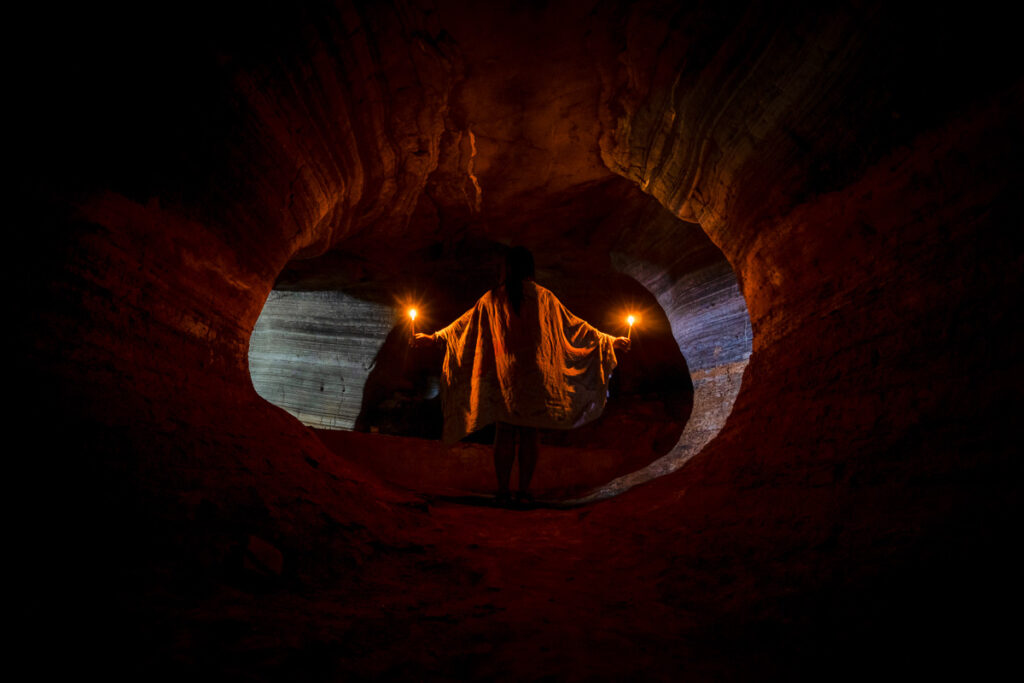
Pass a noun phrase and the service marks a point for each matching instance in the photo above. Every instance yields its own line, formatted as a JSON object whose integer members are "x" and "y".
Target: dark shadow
{"x": 402, "y": 392}
{"x": 483, "y": 501}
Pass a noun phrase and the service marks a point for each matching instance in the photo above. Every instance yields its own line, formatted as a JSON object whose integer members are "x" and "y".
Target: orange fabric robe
{"x": 541, "y": 368}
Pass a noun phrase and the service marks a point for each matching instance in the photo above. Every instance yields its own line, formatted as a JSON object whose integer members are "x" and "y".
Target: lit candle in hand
{"x": 412, "y": 317}
{"x": 630, "y": 319}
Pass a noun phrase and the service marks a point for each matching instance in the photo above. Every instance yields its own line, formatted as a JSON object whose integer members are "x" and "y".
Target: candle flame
{"x": 412, "y": 313}
{"x": 630, "y": 320}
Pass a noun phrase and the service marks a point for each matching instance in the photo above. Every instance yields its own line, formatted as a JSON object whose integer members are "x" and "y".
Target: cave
{"x": 807, "y": 467}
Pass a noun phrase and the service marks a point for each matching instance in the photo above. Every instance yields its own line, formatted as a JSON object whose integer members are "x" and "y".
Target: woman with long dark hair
{"x": 520, "y": 359}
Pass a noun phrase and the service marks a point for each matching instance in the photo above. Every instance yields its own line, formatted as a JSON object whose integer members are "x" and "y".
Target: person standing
{"x": 519, "y": 358}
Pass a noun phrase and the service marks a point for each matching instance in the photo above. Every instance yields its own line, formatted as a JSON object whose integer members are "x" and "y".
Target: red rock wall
{"x": 855, "y": 166}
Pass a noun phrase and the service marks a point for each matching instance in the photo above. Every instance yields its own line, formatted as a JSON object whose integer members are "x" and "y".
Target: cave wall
{"x": 856, "y": 165}
{"x": 202, "y": 155}
{"x": 860, "y": 202}
{"x": 699, "y": 291}
{"x": 311, "y": 354}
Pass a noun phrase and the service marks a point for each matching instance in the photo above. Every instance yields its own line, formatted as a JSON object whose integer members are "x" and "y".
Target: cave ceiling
{"x": 518, "y": 161}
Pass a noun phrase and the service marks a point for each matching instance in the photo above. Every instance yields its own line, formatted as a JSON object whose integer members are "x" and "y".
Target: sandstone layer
{"x": 857, "y": 166}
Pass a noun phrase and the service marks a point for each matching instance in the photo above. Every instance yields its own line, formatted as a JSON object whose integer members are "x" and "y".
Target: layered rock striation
{"x": 857, "y": 166}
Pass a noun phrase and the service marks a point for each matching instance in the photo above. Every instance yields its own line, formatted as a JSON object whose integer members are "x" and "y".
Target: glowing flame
{"x": 412, "y": 313}
{"x": 630, "y": 319}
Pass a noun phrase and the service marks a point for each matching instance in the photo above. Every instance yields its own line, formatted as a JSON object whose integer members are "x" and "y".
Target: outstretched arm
{"x": 421, "y": 340}
{"x": 585, "y": 329}
{"x": 440, "y": 338}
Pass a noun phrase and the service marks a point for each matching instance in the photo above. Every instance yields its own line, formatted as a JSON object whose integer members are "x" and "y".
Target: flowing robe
{"x": 543, "y": 367}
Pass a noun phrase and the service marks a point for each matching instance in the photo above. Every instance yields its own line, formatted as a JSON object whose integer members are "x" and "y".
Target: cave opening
{"x": 331, "y": 348}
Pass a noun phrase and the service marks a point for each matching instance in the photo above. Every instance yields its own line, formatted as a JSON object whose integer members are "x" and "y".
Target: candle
{"x": 412, "y": 317}
{"x": 630, "y": 319}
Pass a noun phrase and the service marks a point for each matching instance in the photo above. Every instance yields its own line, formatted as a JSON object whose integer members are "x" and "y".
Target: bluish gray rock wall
{"x": 311, "y": 352}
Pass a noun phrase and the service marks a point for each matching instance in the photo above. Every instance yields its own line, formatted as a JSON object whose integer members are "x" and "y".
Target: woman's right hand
{"x": 621, "y": 344}
{"x": 420, "y": 340}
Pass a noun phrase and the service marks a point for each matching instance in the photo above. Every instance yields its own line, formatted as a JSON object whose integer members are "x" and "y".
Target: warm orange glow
{"x": 630, "y": 319}
{"x": 412, "y": 313}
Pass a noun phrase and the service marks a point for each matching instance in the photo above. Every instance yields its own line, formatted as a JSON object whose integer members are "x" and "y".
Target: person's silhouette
{"x": 520, "y": 359}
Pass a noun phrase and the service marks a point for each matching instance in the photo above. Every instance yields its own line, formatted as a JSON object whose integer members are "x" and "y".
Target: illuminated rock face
{"x": 311, "y": 354}
{"x": 856, "y": 172}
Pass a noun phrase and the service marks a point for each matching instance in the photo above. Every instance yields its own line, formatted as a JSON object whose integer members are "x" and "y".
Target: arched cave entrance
{"x": 336, "y": 357}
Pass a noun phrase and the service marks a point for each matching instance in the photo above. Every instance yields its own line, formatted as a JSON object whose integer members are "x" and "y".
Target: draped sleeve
{"x": 582, "y": 335}
{"x": 454, "y": 331}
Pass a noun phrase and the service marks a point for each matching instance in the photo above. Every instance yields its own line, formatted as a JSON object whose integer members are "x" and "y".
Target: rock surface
{"x": 311, "y": 353}
{"x": 856, "y": 165}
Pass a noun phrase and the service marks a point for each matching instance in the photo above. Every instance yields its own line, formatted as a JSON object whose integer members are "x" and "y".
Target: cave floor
{"x": 686, "y": 575}
{"x": 482, "y": 593}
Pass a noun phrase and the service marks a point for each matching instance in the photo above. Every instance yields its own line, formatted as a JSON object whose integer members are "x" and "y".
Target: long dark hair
{"x": 518, "y": 267}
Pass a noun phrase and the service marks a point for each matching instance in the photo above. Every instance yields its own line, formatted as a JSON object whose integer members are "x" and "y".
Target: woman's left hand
{"x": 621, "y": 344}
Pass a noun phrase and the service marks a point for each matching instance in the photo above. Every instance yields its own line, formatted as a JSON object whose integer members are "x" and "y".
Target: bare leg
{"x": 504, "y": 455}
{"x": 529, "y": 450}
